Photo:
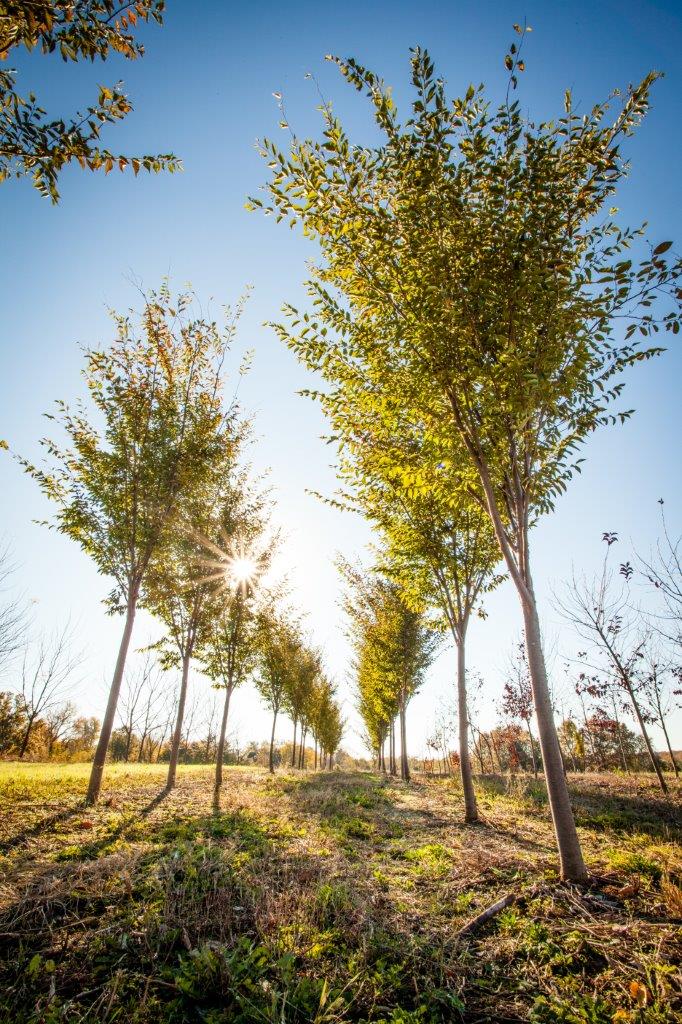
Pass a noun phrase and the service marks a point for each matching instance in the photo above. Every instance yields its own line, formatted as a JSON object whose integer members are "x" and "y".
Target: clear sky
{"x": 204, "y": 91}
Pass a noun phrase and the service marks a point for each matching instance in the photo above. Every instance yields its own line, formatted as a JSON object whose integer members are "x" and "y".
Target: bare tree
{"x": 663, "y": 571}
{"x": 209, "y": 724}
{"x": 658, "y": 679}
{"x": 153, "y": 707}
{"x": 59, "y": 721}
{"x": 602, "y": 614}
{"x": 14, "y": 618}
{"x": 141, "y": 691}
{"x": 45, "y": 675}
{"x": 517, "y": 697}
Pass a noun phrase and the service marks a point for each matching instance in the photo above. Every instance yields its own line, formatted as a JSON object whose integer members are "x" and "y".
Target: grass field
{"x": 330, "y": 897}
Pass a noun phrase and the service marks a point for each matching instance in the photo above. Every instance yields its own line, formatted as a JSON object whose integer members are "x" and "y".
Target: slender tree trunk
{"x": 27, "y": 736}
{"x": 490, "y": 748}
{"x": 220, "y": 752}
{"x": 129, "y": 743}
{"x": 316, "y": 753}
{"x": 177, "y": 734}
{"x": 670, "y": 749}
{"x": 645, "y": 735}
{"x": 392, "y": 766}
{"x": 532, "y": 749}
{"x": 293, "y": 745}
{"x": 382, "y": 756}
{"x": 572, "y": 865}
{"x": 571, "y": 861}
{"x": 272, "y": 742}
{"x": 140, "y": 752}
{"x": 97, "y": 770}
{"x": 470, "y": 808}
{"x": 404, "y": 763}
{"x": 476, "y": 740}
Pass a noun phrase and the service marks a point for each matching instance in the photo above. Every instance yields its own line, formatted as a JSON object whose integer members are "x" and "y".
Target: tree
{"x": 13, "y": 615}
{"x": 30, "y": 144}
{"x": 470, "y": 270}
{"x": 59, "y": 721}
{"x": 394, "y": 647}
{"x": 229, "y": 642}
{"x": 153, "y": 439}
{"x": 657, "y": 679}
{"x": 182, "y": 580}
{"x": 44, "y": 676}
{"x": 663, "y": 572}
{"x": 601, "y": 614}
{"x": 82, "y": 737}
{"x": 517, "y": 695}
{"x": 152, "y": 706}
{"x": 326, "y": 721}
{"x": 279, "y": 649}
{"x": 12, "y": 722}
{"x": 448, "y": 553}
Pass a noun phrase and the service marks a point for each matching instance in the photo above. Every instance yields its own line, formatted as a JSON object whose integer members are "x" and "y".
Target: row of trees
{"x": 472, "y": 315}
{"x": 152, "y": 482}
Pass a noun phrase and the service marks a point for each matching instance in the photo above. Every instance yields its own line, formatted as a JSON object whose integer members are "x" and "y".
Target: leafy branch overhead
{"x": 33, "y": 144}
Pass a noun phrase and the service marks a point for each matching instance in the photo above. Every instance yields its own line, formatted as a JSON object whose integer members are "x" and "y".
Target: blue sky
{"x": 204, "y": 91}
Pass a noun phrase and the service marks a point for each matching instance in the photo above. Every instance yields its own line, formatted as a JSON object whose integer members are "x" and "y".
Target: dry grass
{"x": 332, "y": 897}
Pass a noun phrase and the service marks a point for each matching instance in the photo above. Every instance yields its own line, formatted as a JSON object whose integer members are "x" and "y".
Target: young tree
{"x": 394, "y": 647}
{"x": 152, "y": 707}
{"x": 517, "y": 695}
{"x": 326, "y": 722}
{"x": 76, "y": 30}
{"x": 470, "y": 271}
{"x": 659, "y": 684}
{"x": 663, "y": 572}
{"x": 279, "y": 651}
{"x": 303, "y": 697}
{"x": 82, "y": 736}
{"x": 601, "y": 614}
{"x": 13, "y": 615}
{"x": 446, "y": 555}
{"x": 58, "y": 722}
{"x": 12, "y": 722}
{"x": 45, "y": 674}
{"x": 228, "y": 646}
{"x": 153, "y": 438}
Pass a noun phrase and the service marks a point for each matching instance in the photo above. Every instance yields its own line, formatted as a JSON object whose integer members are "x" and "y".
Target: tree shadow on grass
{"x": 43, "y": 824}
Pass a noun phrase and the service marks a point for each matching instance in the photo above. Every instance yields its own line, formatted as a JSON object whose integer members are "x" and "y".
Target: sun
{"x": 231, "y": 567}
{"x": 241, "y": 569}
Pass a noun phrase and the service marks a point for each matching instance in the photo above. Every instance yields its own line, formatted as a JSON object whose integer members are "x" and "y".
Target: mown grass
{"x": 330, "y": 897}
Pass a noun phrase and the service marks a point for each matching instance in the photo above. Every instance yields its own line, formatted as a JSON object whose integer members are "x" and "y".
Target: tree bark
{"x": 470, "y": 807}
{"x": 393, "y": 768}
{"x": 272, "y": 742}
{"x": 97, "y": 771}
{"x": 532, "y": 749}
{"x": 27, "y": 736}
{"x": 220, "y": 752}
{"x": 293, "y": 745}
{"x": 652, "y": 756}
{"x": 572, "y": 865}
{"x": 177, "y": 734}
{"x": 670, "y": 749}
{"x": 404, "y": 763}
